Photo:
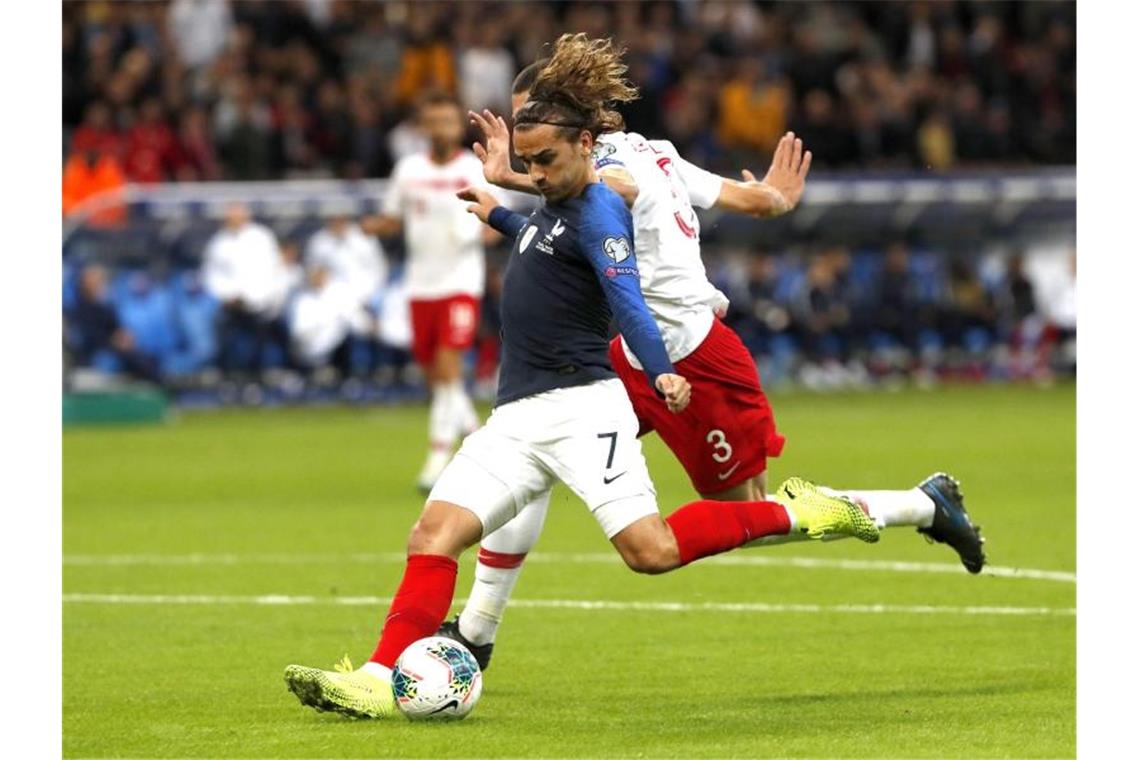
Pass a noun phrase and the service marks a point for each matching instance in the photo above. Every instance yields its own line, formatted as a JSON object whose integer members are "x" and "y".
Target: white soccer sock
{"x": 378, "y": 670}
{"x": 468, "y": 417}
{"x": 481, "y": 616}
{"x": 441, "y": 423}
{"x": 892, "y": 508}
{"x": 462, "y": 411}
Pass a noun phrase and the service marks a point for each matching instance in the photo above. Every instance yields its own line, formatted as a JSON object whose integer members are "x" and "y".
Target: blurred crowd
{"x": 329, "y": 311}
{"x": 250, "y": 89}
{"x": 203, "y": 90}
{"x": 833, "y": 318}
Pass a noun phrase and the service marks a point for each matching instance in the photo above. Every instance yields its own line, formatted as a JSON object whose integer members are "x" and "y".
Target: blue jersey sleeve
{"x": 606, "y": 240}
{"x": 503, "y": 220}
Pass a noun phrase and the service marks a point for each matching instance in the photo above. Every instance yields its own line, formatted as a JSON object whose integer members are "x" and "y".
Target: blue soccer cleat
{"x": 952, "y": 524}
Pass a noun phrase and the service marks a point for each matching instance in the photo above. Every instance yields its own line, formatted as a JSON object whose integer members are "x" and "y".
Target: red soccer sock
{"x": 419, "y": 606}
{"x": 706, "y": 527}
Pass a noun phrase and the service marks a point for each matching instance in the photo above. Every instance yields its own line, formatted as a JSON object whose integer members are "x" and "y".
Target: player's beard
{"x": 441, "y": 150}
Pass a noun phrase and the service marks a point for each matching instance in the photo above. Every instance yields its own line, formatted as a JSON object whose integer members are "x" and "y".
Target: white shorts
{"x": 585, "y": 436}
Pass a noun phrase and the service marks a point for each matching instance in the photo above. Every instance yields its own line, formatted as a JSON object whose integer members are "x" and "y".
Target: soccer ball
{"x": 436, "y": 678}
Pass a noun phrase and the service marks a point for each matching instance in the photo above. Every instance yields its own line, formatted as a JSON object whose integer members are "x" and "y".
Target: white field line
{"x": 739, "y": 559}
{"x": 578, "y": 604}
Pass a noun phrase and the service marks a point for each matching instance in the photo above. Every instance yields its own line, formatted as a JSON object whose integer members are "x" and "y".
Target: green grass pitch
{"x": 312, "y": 506}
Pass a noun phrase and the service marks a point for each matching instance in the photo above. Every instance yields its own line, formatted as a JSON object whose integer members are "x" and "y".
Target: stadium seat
{"x": 195, "y": 314}
{"x": 146, "y": 310}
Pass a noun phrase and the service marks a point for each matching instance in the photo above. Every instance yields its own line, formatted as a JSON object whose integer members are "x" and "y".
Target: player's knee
{"x": 443, "y": 529}
{"x": 652, "y": 559}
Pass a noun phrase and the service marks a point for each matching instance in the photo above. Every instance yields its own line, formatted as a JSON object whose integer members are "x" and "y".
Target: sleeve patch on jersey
{"x": 603, "y": 149}
{"x": 604, "y": 162}
{"x": 612, "y": 272}
{"x": 617, "y": 248}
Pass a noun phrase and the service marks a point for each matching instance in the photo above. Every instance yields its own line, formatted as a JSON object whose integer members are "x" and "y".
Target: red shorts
{"x": 443, "y": 323}
{"x": 727, "y": 433}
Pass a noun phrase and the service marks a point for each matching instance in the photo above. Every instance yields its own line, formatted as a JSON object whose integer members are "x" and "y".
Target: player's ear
{"x": 585, "y": 142}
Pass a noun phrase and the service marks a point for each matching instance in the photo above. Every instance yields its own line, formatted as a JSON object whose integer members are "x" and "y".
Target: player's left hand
{"x": 496, "y": 155}
{"x": 677, "y": 391}
{"x": 787, "y": 174}
{"x": 482, "y": 203}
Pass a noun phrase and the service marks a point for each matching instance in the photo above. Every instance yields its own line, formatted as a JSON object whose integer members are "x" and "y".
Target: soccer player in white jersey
{"x": 445, "y": 269}
{"x": 725, "y": 437}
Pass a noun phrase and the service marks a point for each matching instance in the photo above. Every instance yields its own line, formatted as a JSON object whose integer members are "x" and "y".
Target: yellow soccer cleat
{"x": 819, "y": 514}
{"x": 355, "y": 693}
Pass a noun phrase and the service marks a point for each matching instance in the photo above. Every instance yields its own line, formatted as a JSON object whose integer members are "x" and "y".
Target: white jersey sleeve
{"x": 703, "y": 186}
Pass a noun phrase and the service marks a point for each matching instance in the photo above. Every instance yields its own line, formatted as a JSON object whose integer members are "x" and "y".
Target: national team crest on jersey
{"x": 546, "y": 245}
{"x": 617, "y": 248}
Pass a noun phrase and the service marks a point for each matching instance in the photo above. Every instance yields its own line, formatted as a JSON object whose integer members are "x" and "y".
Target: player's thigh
{"x": 725, "y": 437}
{"x": 425, "y": 319}
{"x": 444, "y": 528}
{"x": 459, "y": 321}
{"x": 593, "y": 448}
{"x": 753, "y": 489}
{"x": 494, "y": 475}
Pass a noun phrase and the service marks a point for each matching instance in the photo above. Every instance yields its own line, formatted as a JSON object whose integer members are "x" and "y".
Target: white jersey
{"x": 444, "y": 242}
{"x": 246, "y": 264}
{"x": 667, "y": 237}
{"x": 354, "y": 259}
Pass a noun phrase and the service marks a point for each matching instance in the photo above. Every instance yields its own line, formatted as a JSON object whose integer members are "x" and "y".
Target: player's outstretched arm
{"x": 606, "y": 240}
{"x": 490, "y": 212}
{"x": 381, "y": 225}
{"x": 780, "y": 190}
{"x": 496, "y": 155}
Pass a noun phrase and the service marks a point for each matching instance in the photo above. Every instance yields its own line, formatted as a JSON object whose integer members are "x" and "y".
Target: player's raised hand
{"x": 677, "y": 391}
{"x": 481, "y": 203}
{"x": 496, "y": 155}
{"x": 788, "y": 172}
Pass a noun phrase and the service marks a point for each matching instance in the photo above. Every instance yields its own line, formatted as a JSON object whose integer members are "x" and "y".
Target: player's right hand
{"x": 481, "y": 203}
{"x": 496, "y": 154}
{"x": 788, "y": 172}
{"x": 676, "y": 390}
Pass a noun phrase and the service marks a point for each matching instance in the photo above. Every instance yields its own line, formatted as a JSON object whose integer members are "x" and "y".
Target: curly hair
{"x": 578, "y": 87}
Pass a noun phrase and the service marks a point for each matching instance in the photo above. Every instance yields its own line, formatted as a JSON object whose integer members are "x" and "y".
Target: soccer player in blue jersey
{"x": 561, "y": 412}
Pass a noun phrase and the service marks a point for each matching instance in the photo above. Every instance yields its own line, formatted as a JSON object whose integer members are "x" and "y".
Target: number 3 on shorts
{"x": 722, "y": 449}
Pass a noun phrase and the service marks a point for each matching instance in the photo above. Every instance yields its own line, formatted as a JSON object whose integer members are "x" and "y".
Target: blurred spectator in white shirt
{"x": 324, "y": 319}
{"x": 486, "y": 70}
{"x": 243, "y": 265}
{"x": 200, "y": 28}
{"x": 245, "y": 270}
{"x": 354, "y": 260}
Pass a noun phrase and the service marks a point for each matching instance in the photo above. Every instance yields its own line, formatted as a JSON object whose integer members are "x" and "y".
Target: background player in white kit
{"x": 724, "y": 438}
{"x": 445, "y": 268}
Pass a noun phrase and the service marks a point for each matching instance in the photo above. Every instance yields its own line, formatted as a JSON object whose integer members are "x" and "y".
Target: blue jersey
{"x": 572, "y": 270}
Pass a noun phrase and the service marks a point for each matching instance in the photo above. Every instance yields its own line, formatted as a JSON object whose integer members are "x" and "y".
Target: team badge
{"x": 617, "y": 248}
